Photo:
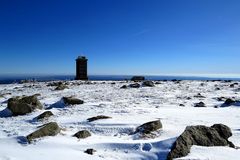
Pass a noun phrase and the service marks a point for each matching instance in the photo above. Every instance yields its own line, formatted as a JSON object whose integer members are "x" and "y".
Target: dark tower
{"x": 81, "y": 68}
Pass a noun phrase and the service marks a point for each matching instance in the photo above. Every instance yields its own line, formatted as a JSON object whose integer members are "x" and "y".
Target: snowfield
{"x": 129, "y": 108}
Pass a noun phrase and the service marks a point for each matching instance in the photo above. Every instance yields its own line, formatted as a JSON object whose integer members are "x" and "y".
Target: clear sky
{"x": 120, "y": 36}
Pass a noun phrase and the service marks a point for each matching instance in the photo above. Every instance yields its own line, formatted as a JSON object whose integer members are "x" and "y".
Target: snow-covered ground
{"x": 128, "y": 108}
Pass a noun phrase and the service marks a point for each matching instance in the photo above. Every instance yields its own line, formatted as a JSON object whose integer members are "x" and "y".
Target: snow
{"x": 128, "y": 108}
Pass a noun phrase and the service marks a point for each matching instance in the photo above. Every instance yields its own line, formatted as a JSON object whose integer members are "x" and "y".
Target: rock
{"x": 223, "y": 130}
{"x": 61, "y": 87}
{"x": 149, "y": 127}
{"x": 23, "y": 105}
{"x": 200, "y": 104}
{"x": 199, "y": 96}
{"x": 44, "y": 115}
{"x": 158, "y": 83}
{"x": 181, "y": 105}
{"x": 97, "y": 118}
{"x": 227, "y": 81}
{"x": 49, "y": 129}
{"x": 188, "y": 98}
{"x": 52, "y": 84}
{"x": 135, "y": 85}
{"x": 147, "y": 147}
{"x": 72, "y": 101}
{"x": 90, "y": 151}
{"x": 28, "y": 81}
{"x": 148, "y": 84}
{"x": 217, "y": 135}
{"x": 37, "y": 94}
{"x": 229, "y": 101}
{"x": 221, "y": 98}
{"x": 138, "y": 78}
{"x": 82, "y": 134}
{"x": 124, "y": 87}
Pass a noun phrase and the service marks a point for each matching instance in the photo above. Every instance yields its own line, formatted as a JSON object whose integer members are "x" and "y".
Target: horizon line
{"x": 214, "y": 75}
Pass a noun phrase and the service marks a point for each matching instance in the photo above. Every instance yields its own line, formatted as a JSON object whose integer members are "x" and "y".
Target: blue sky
{"x": 120, "y": 36}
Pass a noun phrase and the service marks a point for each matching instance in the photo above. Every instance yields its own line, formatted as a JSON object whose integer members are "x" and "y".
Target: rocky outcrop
{"x": 98, "y": 118}
{"x": 23, "y": 105}
{"x": 49, "y": 129}
{"x": 217, "y": 135}
{"x": 72, "y": 101}
{"x": 148, "y": 84}
{"x": 149, "y": 127}
{"x": 82, "y": 134}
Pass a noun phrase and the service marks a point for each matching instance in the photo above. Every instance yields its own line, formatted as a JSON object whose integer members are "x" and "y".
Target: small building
{"x": 81, "y": 68}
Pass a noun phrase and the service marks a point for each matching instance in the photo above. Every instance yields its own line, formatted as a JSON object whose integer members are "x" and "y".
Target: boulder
{"x": 229, "y": 101}
{"x": 148, "y": 84}
{"x": 82, "y": 134}
{"x": 72, "y": 101}
{"x": 49, "y": 129}
{"x": 23, "y": 105}
{"x": 44, "y": 115}
{"x": 217, "y": 135}
{"x": 137, "y": 78}
{"x": 124, "y": 87}
{"x": 135, "y": 85}
{"x": 149, "y": 127}
{"x": 97, "y": 118}
{"x": 90, "y": 151}
{"x": 200, "y": 104}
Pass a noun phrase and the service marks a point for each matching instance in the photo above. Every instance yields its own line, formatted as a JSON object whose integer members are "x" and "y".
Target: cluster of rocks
{"x": 138, "y": 85}
{"x": 28, "y": 81}
{"x": 59, "y": 85}
{"x": 216, "y": 135}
